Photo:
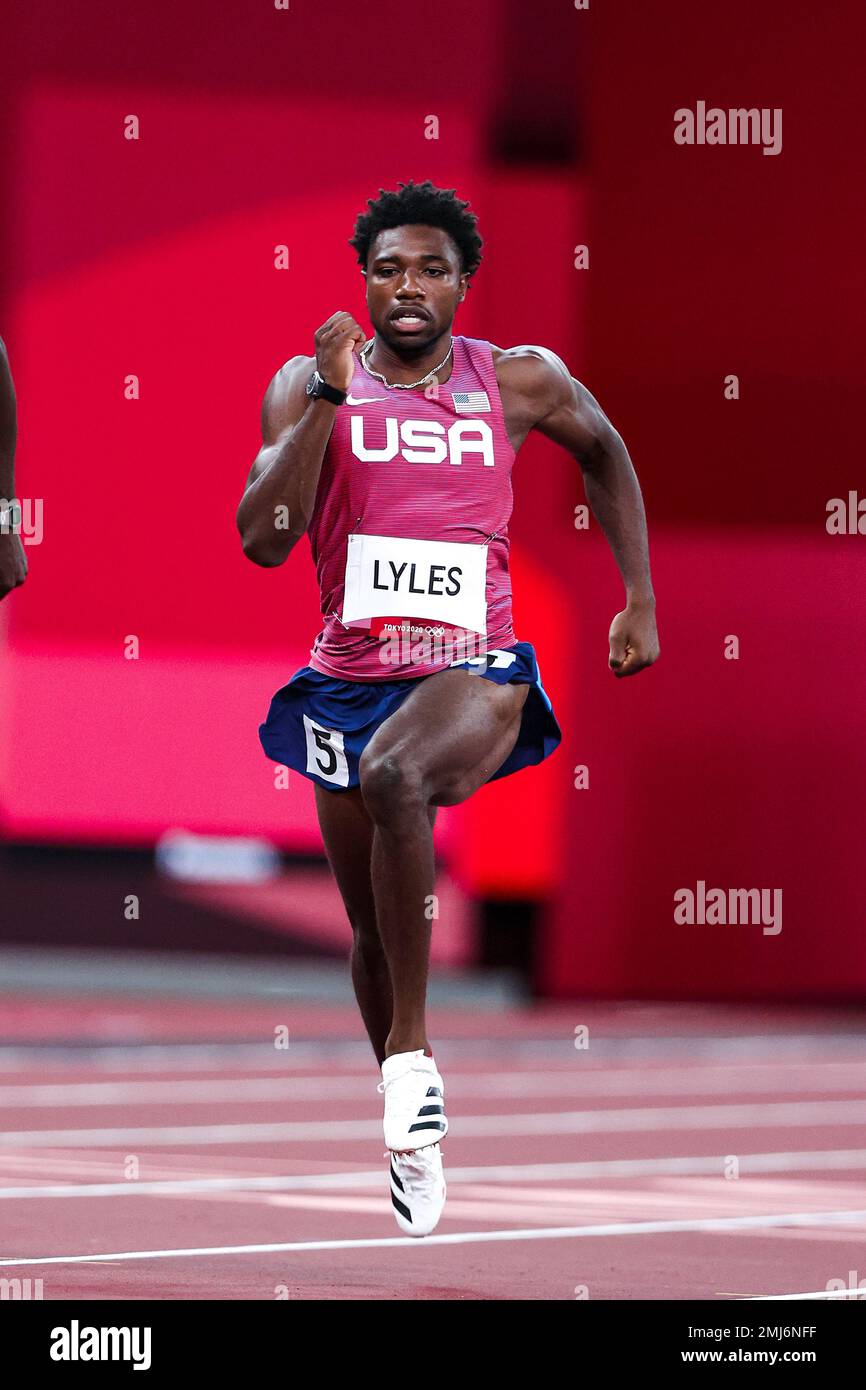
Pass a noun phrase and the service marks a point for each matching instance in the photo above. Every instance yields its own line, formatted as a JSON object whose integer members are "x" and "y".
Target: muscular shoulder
{"x": 539, "y": 392}
{"x": 532, "y": 378}
{"x": 285, "y": 398}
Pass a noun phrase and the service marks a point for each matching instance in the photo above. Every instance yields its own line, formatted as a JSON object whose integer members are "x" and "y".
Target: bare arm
{"x": 280, "y": 493}
{"x": 548, "y": 398}
{"x": 277, "y": 504}
{"x": 13, "y": 561}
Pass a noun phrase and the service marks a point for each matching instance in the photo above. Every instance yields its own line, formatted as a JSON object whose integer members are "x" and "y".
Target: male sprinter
{"x": 394, "y": 454}
{"x": 13, "y": 560}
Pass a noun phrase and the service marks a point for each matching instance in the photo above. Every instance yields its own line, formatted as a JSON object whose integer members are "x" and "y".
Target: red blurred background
{"x": 261, "y": 127}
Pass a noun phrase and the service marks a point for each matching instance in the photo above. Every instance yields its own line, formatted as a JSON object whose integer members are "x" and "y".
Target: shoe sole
{"x": 402, "y": 1214}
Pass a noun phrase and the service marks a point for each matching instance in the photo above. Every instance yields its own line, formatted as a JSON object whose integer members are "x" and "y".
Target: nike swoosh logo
{"x": 363, "y": 400}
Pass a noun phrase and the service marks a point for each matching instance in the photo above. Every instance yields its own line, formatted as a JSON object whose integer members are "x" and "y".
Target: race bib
{"x": 396, "y": 576}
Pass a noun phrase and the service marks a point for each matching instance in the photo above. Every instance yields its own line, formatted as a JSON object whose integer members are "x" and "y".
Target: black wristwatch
{"x": 318, "y": 389}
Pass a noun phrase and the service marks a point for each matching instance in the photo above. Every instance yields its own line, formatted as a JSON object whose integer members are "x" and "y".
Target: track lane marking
{"x": 719, "y": 1224}
{"x": 786, "y": 1161}
{"x": 652, "y": 1119}
{"x": 693, "y": 1080}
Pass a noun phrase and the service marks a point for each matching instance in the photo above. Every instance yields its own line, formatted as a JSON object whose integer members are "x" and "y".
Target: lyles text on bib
{"x": 400, "y": 577}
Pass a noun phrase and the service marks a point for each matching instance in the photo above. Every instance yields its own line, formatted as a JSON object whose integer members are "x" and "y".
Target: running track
{"x": 167, "y": 1150}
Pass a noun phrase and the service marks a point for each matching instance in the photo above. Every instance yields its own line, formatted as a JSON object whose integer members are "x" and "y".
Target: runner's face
{"x": 414, "y": 284}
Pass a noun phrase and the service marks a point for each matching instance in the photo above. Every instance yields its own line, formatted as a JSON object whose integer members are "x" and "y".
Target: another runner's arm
{"x": 13, "y": 560}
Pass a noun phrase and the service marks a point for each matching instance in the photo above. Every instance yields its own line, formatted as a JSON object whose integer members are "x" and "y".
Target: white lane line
{"x": 691, "y": 1080}
{"x": 618, "y": 1228}
{"x": 832, "y": 1160}
{"x": 644, "y": 1120}
{"x": 760, "y": 1049}
{"x": 495, "y": 1208}
{"x": 782, "y": 1297}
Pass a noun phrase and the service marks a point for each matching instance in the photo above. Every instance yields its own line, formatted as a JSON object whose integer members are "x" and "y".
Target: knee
{"x": 390, "y": 785}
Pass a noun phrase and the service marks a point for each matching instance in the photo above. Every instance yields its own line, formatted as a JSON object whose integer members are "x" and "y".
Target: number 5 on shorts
{"x": 325, "y": 754}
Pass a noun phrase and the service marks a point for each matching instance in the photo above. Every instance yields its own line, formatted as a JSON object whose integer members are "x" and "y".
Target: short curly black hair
{"x": 420, "y": 203}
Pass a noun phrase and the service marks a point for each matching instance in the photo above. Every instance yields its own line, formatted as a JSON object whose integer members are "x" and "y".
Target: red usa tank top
{"x": 409, "y": 532}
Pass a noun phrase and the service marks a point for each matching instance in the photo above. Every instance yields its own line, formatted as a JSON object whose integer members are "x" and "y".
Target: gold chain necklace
{"x": 400, "y": 385}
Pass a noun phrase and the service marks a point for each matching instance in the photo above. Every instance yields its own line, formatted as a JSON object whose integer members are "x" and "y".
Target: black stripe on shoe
{"x": 403, "y": 1210}
{"x": 396, "y": 1180}
{"x": 432, "y": 1110}
{"x": 427, "y": 1124}
{"x": 434, "y": 1091}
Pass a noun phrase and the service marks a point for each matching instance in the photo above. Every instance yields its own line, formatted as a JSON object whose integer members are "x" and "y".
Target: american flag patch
{"x": 471, "y": 402}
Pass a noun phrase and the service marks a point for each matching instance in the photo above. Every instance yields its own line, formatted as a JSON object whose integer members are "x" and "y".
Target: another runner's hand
{"x": 13, "y": 562}
{"x": 634, "y": 640}
{"x": 336, "y": 340}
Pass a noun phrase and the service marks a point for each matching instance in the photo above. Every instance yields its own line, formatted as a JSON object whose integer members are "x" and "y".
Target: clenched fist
{"x": 336, "y": 341}
{"x": 634, "y": 639}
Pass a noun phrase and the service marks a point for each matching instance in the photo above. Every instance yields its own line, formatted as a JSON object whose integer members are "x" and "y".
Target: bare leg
{"x": 347, "y": 832}
{"x": 442, "y": 743}
{"x": 403, "y": 882}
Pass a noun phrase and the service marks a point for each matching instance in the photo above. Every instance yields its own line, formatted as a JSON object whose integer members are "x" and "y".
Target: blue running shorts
{"x": 320, "y": 726}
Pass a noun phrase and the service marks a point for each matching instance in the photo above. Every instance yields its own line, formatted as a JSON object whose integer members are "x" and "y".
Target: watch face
{"x": 312, "y": 383}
